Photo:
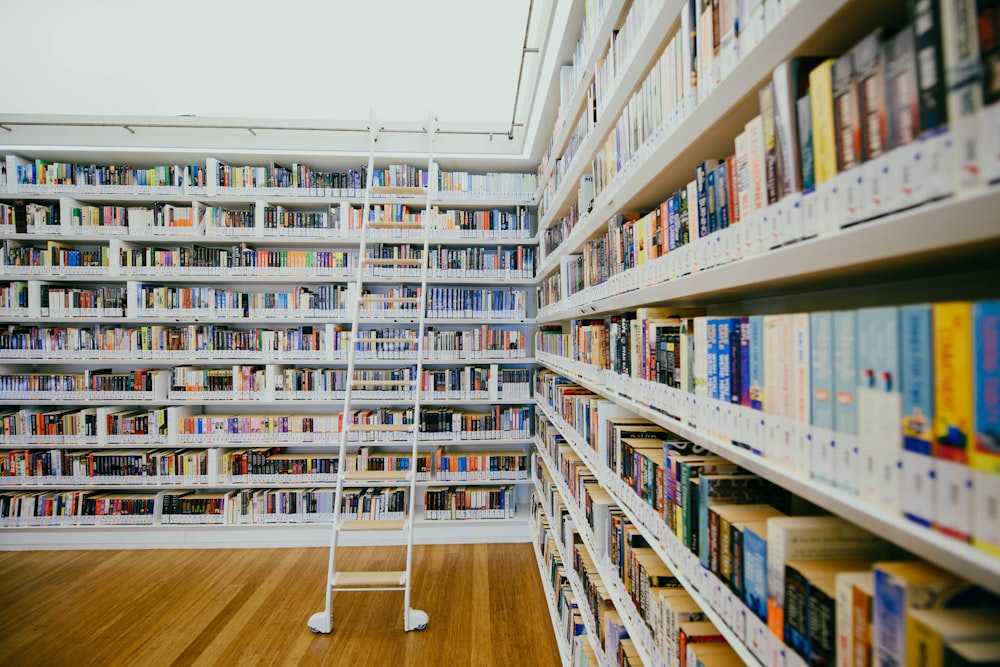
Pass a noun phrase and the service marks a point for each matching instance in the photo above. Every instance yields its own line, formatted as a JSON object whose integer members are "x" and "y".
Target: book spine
{"x": 925, "y": 17}
{"x": 953, "y": 418}
{"x": 772, "y": 185}
{"x": 963, "y": 75}
{"x": 845, "y": 113}
{"x": 823, "y": 124}
{"x": 918, "y": 414}
{"x": 880, "y": 411}
{"x": 985, "y": 453}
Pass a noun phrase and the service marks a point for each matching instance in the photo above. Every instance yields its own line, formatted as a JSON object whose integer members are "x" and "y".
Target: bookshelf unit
{"x": 934, "y": 240}
{"x": 187, "y": 334}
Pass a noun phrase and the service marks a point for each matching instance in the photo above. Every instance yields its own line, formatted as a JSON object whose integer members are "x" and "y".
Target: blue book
{"x": 984, "y": 455}
{"x": 701, "y": 184}
{"x": 712, "y": 349}
{"x": 845, "y": 409}
{"x": 880, "y": 414}
{"x": 722, "y": 195}
{"x": 712, "y": 199}
{"x": 744, "y": 361}
{"x": 671, "y": 222}
{"x": 917, "y": 354}
{"x": 821, "y": 409}
{"x": 724, "y": 384}
{"x": 756, "y": 362}
{"x": 755, "y": 570}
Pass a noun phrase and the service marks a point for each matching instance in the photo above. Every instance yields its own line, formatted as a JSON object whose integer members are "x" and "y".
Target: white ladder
{"x": 382, "y": 580}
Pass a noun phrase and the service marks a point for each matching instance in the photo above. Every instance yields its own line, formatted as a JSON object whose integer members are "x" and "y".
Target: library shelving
{"x": 175, "y": 349}
{"x": 724, "y": 199}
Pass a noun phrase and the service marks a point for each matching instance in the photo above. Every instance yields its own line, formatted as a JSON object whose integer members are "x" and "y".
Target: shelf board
{"x": 221, "y": 536}
{"x": 959, "y": 557}
{"x": 897, "y": 245}
{"x": 571, "y": 113}
{"x": 650, "y": 44}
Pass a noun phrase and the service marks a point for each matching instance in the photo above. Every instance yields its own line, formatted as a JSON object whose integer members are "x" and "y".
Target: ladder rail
{"x": 421, "y": 324}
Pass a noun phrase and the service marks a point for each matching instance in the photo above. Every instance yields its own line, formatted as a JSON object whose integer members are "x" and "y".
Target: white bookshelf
{"x": 927, "y": 248}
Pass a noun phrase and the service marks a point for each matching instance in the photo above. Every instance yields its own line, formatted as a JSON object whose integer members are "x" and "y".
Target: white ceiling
{"x": 316, "y": 59}
{"x": 294, "y": 60}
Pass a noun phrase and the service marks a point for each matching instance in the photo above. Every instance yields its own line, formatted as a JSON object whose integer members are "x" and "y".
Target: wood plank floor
{"x": 250, "y": 607}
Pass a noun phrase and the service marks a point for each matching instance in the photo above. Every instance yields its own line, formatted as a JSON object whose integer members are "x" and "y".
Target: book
{"x": 696, "y": 632}
{"x": 807, "y": 156}
{"x": 984, "y": 455}
{"x": 918, "y": 484}
{"x": 810, "y": 606}
{"x": 824, "y": 455}
{"x": 846, "y": 114}
{"x": 732, "y": 489}
{"x": 814, "y": 538}
{"x": 953, "y": 418}
{"x": 901, "y": 85}
{"x": 880, "y": 414}
{"x": 702, "y": 172}
{"x": 963, "y": 76}
{"x": 772, "y": 153}
{"x": 723, "y": 549}
{"x": 929, "y": 630}
{"x": 824, "y": 128}
{"x": 756, "y": 156}
{"x": 925, "y": 17}
{"x": 869, "y": 70}
{"x": 904, "y": 585}
{"x": 791, "y": 83}
{"x": 854, "y": 616}
{"x": 755, "y": 574}
{"x": 845, "y": 387}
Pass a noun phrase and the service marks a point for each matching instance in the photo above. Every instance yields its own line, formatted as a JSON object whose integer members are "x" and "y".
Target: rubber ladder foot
{"x": 416, "y": 620}
{"x": 321, "y": 623}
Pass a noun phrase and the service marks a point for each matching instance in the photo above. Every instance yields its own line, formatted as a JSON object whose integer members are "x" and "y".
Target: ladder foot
{"x": 321, "y": 623}
{"x": 416, "y": 619}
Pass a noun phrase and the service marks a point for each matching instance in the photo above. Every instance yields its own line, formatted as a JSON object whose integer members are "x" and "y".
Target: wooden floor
{"x": 250, "y": 607}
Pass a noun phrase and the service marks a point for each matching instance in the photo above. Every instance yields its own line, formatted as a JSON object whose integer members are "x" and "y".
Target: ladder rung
{"x": 392, "y": 224}
{"x": 377, "y": 475}
{"x": 373, "y": 524}
{"x": 379, "y": 298}
{"x": 381, "y": 427}
{"x": 378, "y": 578}
{"x": 395, "y": 261}
{"x": 397, "y": 190}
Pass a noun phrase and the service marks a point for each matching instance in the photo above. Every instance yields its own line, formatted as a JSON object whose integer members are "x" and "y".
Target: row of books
{"x": 69, "y": 217}
{"x": 131, "y": 467}
{"x": 451, "y": 503}
{"x": 244, "y": 260}
{"x": 499, "y": 422}
{"x": 568, "y": 621}
{"x": 81, "y": 425}
{"x": 788, "y": 571}
{"x": 891, "y": 403}
{"x": 262, "y": 383}
{"x": 70, "y": 176}
{"x": 663, "y": 616}
{"x": 321, "y": 342}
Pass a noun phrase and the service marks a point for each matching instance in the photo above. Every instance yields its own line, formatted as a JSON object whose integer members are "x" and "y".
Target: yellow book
{"x": 929, "y": 630}
{"x": 824, "y": 130}
{"x": 953, "y": 423}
